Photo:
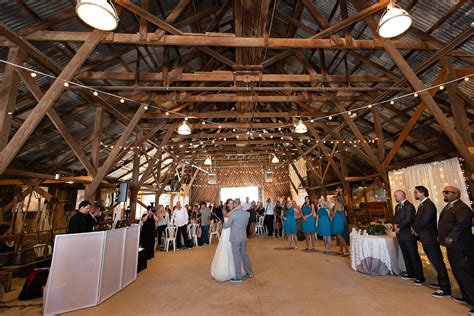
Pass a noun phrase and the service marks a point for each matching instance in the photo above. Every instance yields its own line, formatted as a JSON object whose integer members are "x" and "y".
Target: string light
{"x": 33, "y": 74}
{"x": 66, "y": 84}
{"x": 122, "y": 100}
{"x": 95, "y": 93}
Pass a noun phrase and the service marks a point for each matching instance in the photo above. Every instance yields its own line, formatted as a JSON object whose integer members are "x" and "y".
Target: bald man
{"x": 455, "y": 233}
{"x": 404, "y": 220}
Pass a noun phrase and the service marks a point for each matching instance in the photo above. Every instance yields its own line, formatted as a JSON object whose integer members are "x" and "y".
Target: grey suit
{"x": 238, "y": 221}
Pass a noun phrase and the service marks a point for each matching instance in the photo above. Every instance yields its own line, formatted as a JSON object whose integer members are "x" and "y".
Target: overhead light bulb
{"x": 184, "y": 129}
{"x": 466, "y": 79}
{"x": 330, "y": 117}
{"x": 122, "y": 101}
{"x": 66, "y": 84}
{"x": 208, "y": 161}
{"x": 99, "y": 14}
{"x": 394, "y": 21}
{"x": 369, "y": 106}
{"x": 392, "y": 102}
{"x": 275, "y": 159}
{"x": 416, "y": 95}
{"x": 56, "y": 176}
{"x": 301, "y": 128}
{"x": 33, "y": 74}
{"x": 441, "y": 87}
{"x": 95, "y": 93}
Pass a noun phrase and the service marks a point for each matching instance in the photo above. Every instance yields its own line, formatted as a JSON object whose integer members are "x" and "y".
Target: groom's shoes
{"x": 236, "y": 280}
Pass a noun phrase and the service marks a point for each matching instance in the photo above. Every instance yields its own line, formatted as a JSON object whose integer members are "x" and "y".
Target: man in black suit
{"x": 455, "y": 233}
{"x": 404, "y": 219}
{"x": 426, "y": 229}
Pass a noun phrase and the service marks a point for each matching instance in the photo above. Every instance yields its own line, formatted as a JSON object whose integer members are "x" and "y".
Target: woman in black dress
{"x": 148, "y": 232}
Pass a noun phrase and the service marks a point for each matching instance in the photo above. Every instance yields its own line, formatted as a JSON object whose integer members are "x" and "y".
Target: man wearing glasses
{"x": 455, "y": 233}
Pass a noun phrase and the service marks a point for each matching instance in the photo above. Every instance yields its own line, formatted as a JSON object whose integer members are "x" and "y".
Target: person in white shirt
{"x": 269, "y": 216}
{"x": 180, "y": 218}
{"x": 246, "y": 205}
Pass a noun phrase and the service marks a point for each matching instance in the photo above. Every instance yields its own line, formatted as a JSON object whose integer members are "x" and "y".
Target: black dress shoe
{"x": 418, "y": 282}
{"x": 405, "y": 276}
{"x": 434, "y": 286}
{"x": 441, "y": 294}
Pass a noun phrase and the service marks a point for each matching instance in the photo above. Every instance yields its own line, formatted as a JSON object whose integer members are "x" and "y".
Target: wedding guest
{"x": 92, "y": 218}
{"x": 425, "y": 228}
{"x": 180, "y": 219}
{"x": 455, "y": 233}
{"x": 324, "y": 224}
{"x": 337, "y": 226}
{"x": 278, "y": 222}
{"x": 404, "y": 220}
{"x": 246, "y": 205}
{"x": 252, "y": 219}
{"x": 218, "y": 211}
{"x": 148, "y": 233}
{"x": 289, "y": 222}
{"x": 269, "y": 216}
{"x": 205, "y": 222}
{"x": 309, "y": 227}
{"x": 260, "y": 209}
{"x": 78, "y": 222}
{"x": 161, "y": 224}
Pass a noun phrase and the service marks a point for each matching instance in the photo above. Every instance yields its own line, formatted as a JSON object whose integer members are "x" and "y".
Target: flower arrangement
{"x": 375, "y": 228}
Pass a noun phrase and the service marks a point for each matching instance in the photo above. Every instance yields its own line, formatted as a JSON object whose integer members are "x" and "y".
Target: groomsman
{"x": 404, "y": 220}
{"x": 455, "y": 233}
{"x": 425, "y": 228}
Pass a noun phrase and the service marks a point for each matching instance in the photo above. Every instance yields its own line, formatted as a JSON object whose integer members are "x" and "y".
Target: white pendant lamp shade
{"x": 275, "y": 159}
{"x": 394, "y": 21}
{"x": 301, "y": 128}
{"x": 184, "y": 129}
{"x": 208, "y": 161}
{"x": 99, "y": 14}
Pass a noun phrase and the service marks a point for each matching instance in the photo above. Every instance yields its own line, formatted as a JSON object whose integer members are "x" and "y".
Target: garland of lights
{"x": 96, "y": 92}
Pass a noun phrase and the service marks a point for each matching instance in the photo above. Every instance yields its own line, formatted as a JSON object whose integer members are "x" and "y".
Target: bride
{"x": 222, "y": 267}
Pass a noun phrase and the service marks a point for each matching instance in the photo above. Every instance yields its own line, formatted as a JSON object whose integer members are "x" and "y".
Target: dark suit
{"x": 426, "y": 228}
{"x": 405, "y": 217}
{"x": 455, "y": 222}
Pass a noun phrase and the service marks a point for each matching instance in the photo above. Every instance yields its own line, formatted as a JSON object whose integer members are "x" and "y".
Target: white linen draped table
{"x": 376, "y": 255}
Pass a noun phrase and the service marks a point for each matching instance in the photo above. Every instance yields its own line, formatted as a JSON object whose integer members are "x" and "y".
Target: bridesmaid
{"x": 309, "y": 228}
{"x": 337, "y": 227}
{"x": 324, "y": 224}
{"x": 290, "y": 225}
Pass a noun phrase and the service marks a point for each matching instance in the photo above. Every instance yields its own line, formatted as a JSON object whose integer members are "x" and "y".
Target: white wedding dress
{"x": 222, "y": 267}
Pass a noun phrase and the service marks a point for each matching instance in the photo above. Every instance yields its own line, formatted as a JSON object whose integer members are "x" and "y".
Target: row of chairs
{"x": 171, "y": 233}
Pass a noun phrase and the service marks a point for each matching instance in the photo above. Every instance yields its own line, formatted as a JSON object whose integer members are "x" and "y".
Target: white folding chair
{"x": 193, "y": 230}
{"x": 170, "y": 236}
{"x": 214, "y": 231}
{"x": 260, "y": 228}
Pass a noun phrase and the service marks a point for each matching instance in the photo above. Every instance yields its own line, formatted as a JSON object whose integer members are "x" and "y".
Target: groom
{"x": 238, "y": 220}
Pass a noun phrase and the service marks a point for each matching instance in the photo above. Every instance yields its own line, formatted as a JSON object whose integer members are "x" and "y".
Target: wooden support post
{"x": 104, "y": 169}
{"x": 134, "y": 188}
{"x": 8, "y": 94}
{"x": 97, "y": 136}
{"x": 34, "y": 118}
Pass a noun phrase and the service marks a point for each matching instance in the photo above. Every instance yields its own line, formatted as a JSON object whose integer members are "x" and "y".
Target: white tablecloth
{"x": 376, "y": 255}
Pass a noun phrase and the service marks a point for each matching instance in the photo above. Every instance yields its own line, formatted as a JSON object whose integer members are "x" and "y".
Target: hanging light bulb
{"x": 208, "y": 161}
{"x": 184, "y": 129}
{"x": 275, "y": 159}
{"x": 394, "y": 21}
{"x": 99, "y": 14}
{"x": 301, "y": 128}
{"x": 33, "y": 74}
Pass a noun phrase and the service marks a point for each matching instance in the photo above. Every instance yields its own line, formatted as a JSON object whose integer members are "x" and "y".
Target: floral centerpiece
{"x": 375, "y": 228}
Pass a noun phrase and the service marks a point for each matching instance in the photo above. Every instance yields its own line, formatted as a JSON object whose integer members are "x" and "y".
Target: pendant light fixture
{"x": 99, "y": 14}
{"x": 184, "y": 128}
{"x": 301, "y": 128}
{"x": 394, "y": 21}
{"x": 275, "y": 159}
{"x": 208, "y": 161}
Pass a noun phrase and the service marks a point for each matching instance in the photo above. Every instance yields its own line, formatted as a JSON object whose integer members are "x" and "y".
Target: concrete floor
{"x": 286, "y": 282}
